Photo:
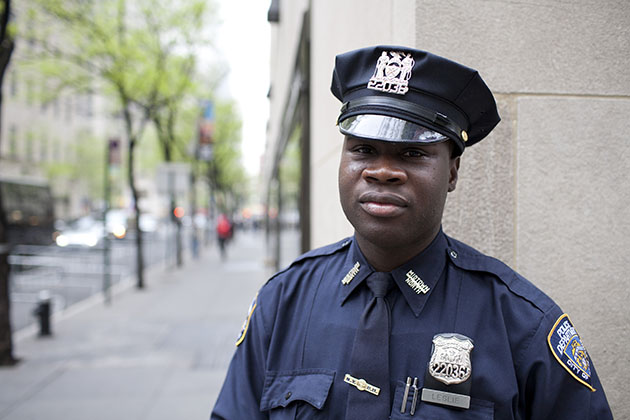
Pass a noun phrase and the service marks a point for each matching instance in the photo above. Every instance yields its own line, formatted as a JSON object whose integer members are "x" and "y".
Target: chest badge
{"x": 450, "y": 360}
{"x": 447, "y": 381}
{"x": 392, "y": 72}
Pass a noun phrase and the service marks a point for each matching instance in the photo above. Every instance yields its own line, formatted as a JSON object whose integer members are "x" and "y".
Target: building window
{"x": 273, "y": 14}
{"x": 57, "y": 150}
{"x": 30, "y": 92}
{"x": 55, "y": 104}
{"x": 44, "y": 101}
{"x": 29, "y": 151}
{"x": 13, "y": 82}
{"x": 89, "y": 103}
{"x": 43, "y": 149}
{"x": 68, "y": 106}
{"x": 13, "y": 152}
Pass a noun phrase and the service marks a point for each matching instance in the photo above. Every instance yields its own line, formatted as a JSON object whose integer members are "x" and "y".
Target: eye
{"x": 363, "y": 149}
{"x": 414, "y": 153}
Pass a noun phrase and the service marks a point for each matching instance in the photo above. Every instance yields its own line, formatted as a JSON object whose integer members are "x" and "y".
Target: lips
{"x": 381, "y": 204}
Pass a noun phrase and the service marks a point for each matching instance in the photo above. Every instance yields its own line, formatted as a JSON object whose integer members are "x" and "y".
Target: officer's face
{"x": 394, "y": 193}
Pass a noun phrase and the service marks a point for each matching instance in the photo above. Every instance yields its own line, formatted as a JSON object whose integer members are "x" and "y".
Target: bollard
{"x": 43, "y": 312}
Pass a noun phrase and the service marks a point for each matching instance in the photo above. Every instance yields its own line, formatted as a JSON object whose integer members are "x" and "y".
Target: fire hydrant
{"x": 43, "y": 312}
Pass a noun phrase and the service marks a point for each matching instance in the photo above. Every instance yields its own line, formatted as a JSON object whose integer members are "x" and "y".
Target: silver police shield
{"x": 392, "y": 72}
{"x": 450, "y": 358}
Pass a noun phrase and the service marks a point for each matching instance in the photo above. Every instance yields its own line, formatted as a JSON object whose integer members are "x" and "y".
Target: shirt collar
{"x": 355, "y": 270}
{"x": 416, "y": 279}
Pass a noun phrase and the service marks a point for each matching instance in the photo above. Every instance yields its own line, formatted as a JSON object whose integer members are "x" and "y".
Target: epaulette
{"x": 318, "y": 252}
{"x": 468, "y": 258}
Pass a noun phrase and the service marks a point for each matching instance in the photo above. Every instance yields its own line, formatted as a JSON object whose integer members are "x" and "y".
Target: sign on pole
{"x": 173, "y": 178}
{"x": 205, "y": 137}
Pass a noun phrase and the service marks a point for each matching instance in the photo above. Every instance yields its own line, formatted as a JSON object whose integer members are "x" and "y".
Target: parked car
{"x": 118, "y": 222}
{"x": 84, "y": 232}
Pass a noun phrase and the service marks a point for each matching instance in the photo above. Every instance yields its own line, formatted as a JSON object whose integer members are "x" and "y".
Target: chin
{"x": 392, "y": 234}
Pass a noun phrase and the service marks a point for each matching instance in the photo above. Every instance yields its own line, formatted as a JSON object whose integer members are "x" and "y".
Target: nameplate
{"x": 445, "y": 398}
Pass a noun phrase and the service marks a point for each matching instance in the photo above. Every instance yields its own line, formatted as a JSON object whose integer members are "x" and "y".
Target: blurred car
{"x": 148, "y": 222}
{"x": 84, "y": 232}
{"x": 118, "y": 222}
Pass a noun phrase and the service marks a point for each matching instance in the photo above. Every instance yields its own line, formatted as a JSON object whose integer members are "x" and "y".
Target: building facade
{"x": 56, "y": 138}
{"x": 547, "y": 192}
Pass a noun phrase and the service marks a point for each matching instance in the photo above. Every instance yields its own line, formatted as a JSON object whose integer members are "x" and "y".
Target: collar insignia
{"x": 392, "y": 73}
{"x": 351, "y": 274}
{"x": 415, "y": 282}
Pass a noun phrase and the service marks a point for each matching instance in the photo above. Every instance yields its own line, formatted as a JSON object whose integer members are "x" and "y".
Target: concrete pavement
{"x": 160, "y": 353}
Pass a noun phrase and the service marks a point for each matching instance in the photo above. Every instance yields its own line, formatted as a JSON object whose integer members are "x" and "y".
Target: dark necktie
{"x": 370, "y": 356}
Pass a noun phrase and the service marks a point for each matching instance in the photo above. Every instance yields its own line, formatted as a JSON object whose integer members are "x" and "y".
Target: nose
{"x": 385, "y": 170}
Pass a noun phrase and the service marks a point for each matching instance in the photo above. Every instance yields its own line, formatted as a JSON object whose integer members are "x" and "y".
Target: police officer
{"x": 401, "y": 321}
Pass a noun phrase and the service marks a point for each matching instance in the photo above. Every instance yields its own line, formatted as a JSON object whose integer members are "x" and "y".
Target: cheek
{"x": 349, "y": 174}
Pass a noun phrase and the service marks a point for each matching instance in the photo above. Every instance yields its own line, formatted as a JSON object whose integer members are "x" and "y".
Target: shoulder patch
{"x": 245, "y": 326}
{"x": 567, "y": 347}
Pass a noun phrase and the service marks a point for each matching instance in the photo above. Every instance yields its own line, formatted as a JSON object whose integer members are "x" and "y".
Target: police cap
{"x": 402, "y": 94}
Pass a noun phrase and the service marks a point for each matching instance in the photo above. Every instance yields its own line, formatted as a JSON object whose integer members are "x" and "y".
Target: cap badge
{"x": 393, "y": 70}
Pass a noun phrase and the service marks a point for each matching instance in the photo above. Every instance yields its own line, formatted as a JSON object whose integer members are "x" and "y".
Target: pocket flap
{"x": 310, "y": 385}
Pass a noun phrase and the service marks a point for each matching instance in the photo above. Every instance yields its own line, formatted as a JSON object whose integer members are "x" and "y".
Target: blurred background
{"x": 151, "y": 140}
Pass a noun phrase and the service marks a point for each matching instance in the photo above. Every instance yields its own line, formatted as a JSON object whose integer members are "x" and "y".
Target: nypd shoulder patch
{"x": 567, "y": 347}
{"x": 245, "y": 326}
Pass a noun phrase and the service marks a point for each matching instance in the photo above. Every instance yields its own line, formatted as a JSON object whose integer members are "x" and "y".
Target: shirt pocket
{"x": 479, "y": 409}
{"x": 284, "y": 391}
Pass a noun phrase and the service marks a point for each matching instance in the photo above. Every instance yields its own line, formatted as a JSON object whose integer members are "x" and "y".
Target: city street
{"x": 71, "y": 274}
{"x": 159, "y": 353}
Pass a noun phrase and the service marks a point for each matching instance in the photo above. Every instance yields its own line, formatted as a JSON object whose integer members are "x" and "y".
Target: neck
{"x": 387, "y": 258}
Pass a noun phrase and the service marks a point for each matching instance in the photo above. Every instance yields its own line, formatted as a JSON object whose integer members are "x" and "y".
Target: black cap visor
{"x": 387, "y": 128}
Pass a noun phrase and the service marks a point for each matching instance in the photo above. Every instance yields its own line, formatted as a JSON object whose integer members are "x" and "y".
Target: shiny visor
{"x": 382, "y": 127}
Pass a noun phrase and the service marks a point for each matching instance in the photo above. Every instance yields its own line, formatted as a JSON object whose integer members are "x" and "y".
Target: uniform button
{"x": 286, "y": 397}
{"x": 453, "y": 254}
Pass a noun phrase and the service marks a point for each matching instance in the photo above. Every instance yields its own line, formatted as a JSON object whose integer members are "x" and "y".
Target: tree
{"x": 6, "y": 343}
{"x": 126, "y": 50}
{"x": 225, "y": 172}
{"x": 179, "y": 73}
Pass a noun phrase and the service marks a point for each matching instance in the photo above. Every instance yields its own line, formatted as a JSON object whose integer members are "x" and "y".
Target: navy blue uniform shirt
{"x": 295, "y": 350}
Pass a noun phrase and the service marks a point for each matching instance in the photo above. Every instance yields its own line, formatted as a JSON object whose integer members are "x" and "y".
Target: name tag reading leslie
{"x": 445, "y": 398}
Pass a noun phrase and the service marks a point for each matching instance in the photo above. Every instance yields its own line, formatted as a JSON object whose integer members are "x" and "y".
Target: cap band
{"x": 383, "y": 105}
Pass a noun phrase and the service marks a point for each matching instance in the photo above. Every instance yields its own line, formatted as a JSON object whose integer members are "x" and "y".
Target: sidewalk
{"x": 160, "y": 353}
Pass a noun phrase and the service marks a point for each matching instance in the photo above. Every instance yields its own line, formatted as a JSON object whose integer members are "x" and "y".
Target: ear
{"x": 454, "y": 170}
